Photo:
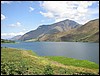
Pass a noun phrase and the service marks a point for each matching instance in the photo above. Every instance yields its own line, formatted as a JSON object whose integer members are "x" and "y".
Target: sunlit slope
{"x": 88, "y": 32}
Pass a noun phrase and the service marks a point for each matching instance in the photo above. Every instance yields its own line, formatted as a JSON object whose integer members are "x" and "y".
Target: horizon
{"x": 20, "y": 17}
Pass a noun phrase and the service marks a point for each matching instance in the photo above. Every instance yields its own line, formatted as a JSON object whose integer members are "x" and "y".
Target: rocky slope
{"x": 43, "y": 30}
{"x": 88, "y": 32}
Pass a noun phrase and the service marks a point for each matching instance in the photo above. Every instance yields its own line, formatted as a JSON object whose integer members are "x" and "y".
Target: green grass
{"x": 21, "y": 62}
{"x": 74, "y": 62}
{"x": 14, "y": 62}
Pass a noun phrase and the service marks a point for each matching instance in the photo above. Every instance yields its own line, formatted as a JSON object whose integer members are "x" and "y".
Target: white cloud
{"x": 2, "y": 17}
{"x": 48, "y": 14}
{"x": 6, "y": 2}
{"x": 6, "y": 35}
{"x": 18, "y": 24}
{"x": 31, "y": 9}
{"x": 10, "y": 35}
{"x": 74, "y": 10}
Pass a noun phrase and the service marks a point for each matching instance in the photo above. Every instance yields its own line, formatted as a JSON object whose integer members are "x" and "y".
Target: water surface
{"x": 78, "y": 50}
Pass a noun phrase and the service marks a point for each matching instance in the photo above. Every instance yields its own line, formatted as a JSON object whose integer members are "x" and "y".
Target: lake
{"x": 78, "y": 50}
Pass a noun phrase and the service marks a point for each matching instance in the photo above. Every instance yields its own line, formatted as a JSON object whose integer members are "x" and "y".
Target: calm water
{"x": 78, "y": 50}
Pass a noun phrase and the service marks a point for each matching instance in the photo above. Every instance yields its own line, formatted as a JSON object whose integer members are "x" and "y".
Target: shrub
{"x": 48, "y": 70}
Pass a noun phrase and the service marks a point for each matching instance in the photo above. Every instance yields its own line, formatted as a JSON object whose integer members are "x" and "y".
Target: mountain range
{"x": 42, "y": 30}
{"x": 88, "y": 32}
{"x": 66, "y": 30}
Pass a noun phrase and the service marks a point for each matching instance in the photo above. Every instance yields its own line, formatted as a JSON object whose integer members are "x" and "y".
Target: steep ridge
{"x": 42, "y": 30}
{"x": 88, "y": 32}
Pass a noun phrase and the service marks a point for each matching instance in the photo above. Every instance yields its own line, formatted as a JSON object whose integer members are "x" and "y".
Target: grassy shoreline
{"x": 7, "y": 41}
{"x": 74, "y": 62}
{"x": 11, "y": 43}
{"x": 22, "y": 62}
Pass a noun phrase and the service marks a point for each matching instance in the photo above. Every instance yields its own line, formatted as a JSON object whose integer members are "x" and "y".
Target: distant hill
{"x": 16, "y": 37}
{"x": 7, "y": 41}
{"x": 43, "y": 30}
{"x": 88, "y": 32}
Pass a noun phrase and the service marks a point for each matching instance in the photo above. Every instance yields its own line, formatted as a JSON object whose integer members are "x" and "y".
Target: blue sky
{"x": 19, "y": 17}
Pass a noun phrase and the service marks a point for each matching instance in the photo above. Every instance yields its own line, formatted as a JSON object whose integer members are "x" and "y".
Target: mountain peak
{"x": 50, "y": 29}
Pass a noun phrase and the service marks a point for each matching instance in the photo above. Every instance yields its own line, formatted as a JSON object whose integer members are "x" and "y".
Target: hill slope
{"x": 88, "y": 32}
{"x": 50, "y": 29}
{"x": 20, "y": 62}
{"x": 16, "y": 37}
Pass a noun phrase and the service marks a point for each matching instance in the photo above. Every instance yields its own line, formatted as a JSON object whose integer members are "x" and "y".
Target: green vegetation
{"x": 7, "y": 41}
{"x": 48, "y": 70}
{"x": 21, "y": 62}
{"x": 74, "y": 62}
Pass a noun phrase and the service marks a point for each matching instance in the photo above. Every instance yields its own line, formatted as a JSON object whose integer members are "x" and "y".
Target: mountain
{"x": 88, "y": 32}
{"x": 43, "y": 30}
{"x": 16, "y": 37}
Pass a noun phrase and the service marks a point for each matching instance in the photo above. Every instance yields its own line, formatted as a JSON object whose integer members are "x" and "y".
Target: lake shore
{"x": 81, "y": 51}
{"x": 22, "y": 62}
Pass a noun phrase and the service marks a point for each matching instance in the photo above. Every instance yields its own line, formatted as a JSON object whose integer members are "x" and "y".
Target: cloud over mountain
{"x": 75, "y": 10}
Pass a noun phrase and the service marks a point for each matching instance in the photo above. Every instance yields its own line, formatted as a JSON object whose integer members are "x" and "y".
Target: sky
{"x": 20, "y": 17}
